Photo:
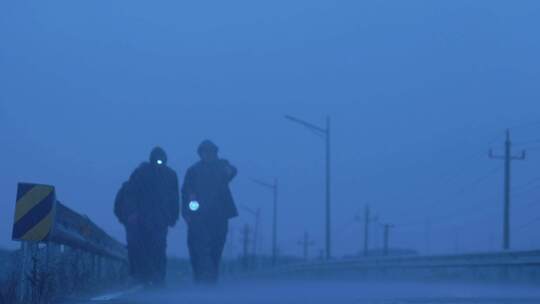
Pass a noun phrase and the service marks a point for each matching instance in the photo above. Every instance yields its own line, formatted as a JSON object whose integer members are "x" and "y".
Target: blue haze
{"x": 418, "y": 91}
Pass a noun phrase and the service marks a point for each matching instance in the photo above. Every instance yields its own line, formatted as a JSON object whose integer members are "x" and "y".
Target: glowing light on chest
{"x": 159, "y": 162}
{"x": 194, "y": 206}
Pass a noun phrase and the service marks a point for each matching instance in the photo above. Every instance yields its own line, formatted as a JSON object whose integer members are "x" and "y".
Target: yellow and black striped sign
{"x": 34, "y": 212}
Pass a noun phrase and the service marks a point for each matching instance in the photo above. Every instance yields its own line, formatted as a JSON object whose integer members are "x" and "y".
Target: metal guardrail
{"x": 60, "y": 246}
{"x": 39, "y": 217}
{"x": 512, "y": 265}
{"x": 475, "y": 259}
{"x": 80, "y": 232}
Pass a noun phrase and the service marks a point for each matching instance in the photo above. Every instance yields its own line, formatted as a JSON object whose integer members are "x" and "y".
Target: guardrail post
{"x": 29, "y": 253}
{"x": 49, "y": 257}
{"x": 23, "y": 282}
{"x": 110, "y": 269}
{"x": 95, "y": 267}
{"x": 99, "y": 267}
{"x": 53, "y": 264}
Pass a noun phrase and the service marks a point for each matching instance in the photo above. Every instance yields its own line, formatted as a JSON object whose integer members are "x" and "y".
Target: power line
{"x": 528, "y": 183}
{"x": 461, "y": 191}
{"x": 532, "y": 203}
{"x": 526, "y": 125}
{"x": 526, "y": 143}
{"x": 476, "y": 183}
{"x": 529, "y": 223}
{"x": 443, "y": 218}
{"x": 526, "y": 191}
{"x": 454, "y": 175}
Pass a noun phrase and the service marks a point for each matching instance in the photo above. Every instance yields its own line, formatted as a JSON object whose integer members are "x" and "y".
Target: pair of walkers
{"x": 149, "y": 203}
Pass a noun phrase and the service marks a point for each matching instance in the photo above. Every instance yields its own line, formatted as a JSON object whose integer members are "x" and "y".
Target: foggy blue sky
{"x": 417, "y": 90}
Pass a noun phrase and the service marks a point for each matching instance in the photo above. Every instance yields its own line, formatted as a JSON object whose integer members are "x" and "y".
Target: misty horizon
{"x": 417, "y": 93}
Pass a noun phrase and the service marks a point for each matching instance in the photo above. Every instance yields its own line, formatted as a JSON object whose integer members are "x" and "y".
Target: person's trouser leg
{"x": 134, "y": 252}
{"x": 218, "y": 244}
{"x": 193, "y": 258}
{"x": 155, "y": 256}
{"x": 161, "y": 259}
{"x": 200, "y": 252}
{"x": 147, "y": 254}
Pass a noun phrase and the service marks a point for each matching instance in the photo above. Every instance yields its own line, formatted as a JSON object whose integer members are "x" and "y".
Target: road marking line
{"x": 116, "y": 295}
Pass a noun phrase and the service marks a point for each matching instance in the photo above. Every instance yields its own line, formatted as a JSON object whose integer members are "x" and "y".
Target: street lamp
{"x": 324, "y": 132}
{"x": 257, "y": 215}
{"x": 274, "y": 188}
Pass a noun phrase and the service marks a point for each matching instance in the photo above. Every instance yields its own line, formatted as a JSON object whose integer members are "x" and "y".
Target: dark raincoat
{"x": 208, "y": 184}
{"x": 152, "y": 199}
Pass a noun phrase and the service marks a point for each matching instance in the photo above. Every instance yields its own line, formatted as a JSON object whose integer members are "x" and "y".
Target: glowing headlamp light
{"x": 194, "y": 206}
{"x": 159, "y": 162}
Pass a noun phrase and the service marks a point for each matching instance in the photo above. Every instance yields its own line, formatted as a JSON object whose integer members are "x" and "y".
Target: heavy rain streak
{"x": 374, "y": 152}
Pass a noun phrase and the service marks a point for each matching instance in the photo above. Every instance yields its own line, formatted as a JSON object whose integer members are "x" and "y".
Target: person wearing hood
{"x": 207, "y": 207}
{"x": 148, "y": 204}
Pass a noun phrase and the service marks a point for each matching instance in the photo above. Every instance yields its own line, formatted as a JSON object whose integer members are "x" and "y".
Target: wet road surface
{"x": 328, "y": 292}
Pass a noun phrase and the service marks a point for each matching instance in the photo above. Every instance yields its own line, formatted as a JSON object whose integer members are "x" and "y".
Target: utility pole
{"x": 274, "y": 188}
{"x": 324, "y": 132}
{"x": 257, "y": 215}
{"x": 386, "y": 237}
{"x": 256, "y": 233}
{"x": 274, "y": 221}
{"x": 368, "y": 219}
{"x": 508, "y": 158}
{"x": 246, "y": 232}
{"x": 306, "y": 243}
{"x": 328, "y": 196}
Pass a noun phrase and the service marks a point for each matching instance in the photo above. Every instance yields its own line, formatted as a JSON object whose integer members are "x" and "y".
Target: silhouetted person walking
{"x": 148, "y": 204}
{"x": 207, "y": 206}
{"x": 125, "y": 212}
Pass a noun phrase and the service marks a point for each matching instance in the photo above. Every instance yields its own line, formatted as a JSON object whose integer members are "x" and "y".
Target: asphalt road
{"x": 327, "y": 292}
